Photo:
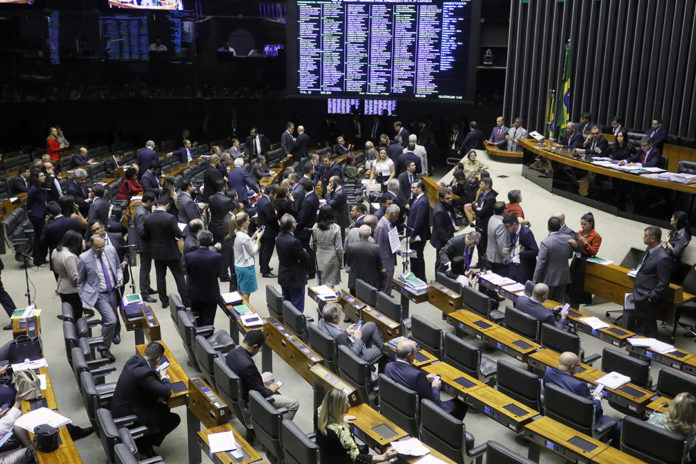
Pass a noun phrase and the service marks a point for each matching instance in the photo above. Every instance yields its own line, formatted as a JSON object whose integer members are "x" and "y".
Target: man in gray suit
{"x": 552, "y": 263}
{"x": 99, "y": 273}
{"x": 188, "y": 209}
{"x": 514, "y": 135}
{"x": 287, "y": 139}
{"x": 364, "y": 260}
{"x": 365, "y": 341}
{"x": 498, "y": 246}
{"x": 652, "y": 278}
{"x": 381, "y": 234}
{"x": 565, "y": 230}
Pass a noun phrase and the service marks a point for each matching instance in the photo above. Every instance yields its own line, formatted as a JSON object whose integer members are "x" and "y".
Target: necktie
{"x": 594, "y": 144}
{"x": 105, "y": 270}
{"x": 257, "y": 145}
{"x": 499, "y": 132}
{"x": 645, "y": 156}
{"x": 467, "y": 258}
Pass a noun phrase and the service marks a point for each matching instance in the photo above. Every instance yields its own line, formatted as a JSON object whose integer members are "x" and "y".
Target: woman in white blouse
{"x": 383, "y": 169}
{"x": 245, "y": 248}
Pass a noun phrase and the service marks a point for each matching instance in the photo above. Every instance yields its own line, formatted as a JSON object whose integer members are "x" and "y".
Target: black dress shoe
{"x": 151, "y": 291}
{"x": 106, "y": 354}
{"x": 8, "y": 327}
{"x": 88, "y": 312}
{"x": 270, "y": 275}
{"x": 149, "y": 299}
{"x": 165, "y": 304}
{"x": 79, "y": 432}
{"x": 117, "y": 339}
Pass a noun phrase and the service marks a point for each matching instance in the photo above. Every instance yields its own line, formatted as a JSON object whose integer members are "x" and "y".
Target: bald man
{"x": 564, "y": 228}
{"x": 364, "y": 260}
{"x": 301, "y": 144}
{"x": 534, "y": 307}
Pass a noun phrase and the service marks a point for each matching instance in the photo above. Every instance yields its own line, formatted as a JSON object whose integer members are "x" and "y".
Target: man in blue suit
{"x": 523, "y": 249}
{"x": 269, "y": 220}
{"x": 648, "y": 156}
{"x": 533, "y": 306}
{"x": 427, "y": 386}
{"x": 184, "y": 153}
{"x": 418, "y": 228}
{"x": 572, "y": 140}
{"x": 146, "y": 156}
{"x": 239, "y": 180}
{"x": 657, "y": 133}
{"x": 563, "y": 377}
{"x": 305, "y": 221}
{"x": 293, "y": 262}
{"x": 202, "y": 265}
{"x": 498, "y": 134}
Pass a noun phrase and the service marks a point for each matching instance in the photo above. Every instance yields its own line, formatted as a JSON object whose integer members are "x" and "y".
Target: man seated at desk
{"x": 568, "y": 363}
{"x": 80, "y": 158}
{"x": 143, "y": 391}
{"x": 534, "y": 307}
{"x": 366, "y": 342}
{"x": 647, "y": 157}
{"x": 572, "y": 139}
{"x": 595, "y": 145}
{"x": 239, "y": 360}
{"x": 427, "y": 386}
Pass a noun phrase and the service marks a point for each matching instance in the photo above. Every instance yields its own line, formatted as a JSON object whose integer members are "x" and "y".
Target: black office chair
{"x": 651, "y": 443}
{"x": 274, "y": 302}
{"x": 528, "y": 288}
{"x": 399, "y": 404}
{"x": 72, "y": 340}
{"x": 93, "y": 397}
{"x": 324, "y": 345}
{"x": 186, "y": 326}
{"x": 427, "y": 335}
{"x": 562, "y": 341}
{"x": 522, "y": 323}
{"x": 498, "y": 454}
{"x": 66, "y": 311}
{"x": 687, "y": 308}
{"x": 175, "y": 305}
{"x": 637, "y": 369}
{"x": 229, "y": 386}
{"x": 356, "y": 371}
{"x": 205, "y": 354}
{"x": 480, "y": 303}
{"x": 267, "y": 420}
{"x": 124, "y": 455}
{"x": 390, "y": 308}
{"x": 109, "y": 434}
{"x": 298, "y": 447}
{"x": 448, "y": 282}
{"x": 670, "y": 383}
{"x": 520, "y": 385}
{"x": 97, "y": 367}
{"x": 448, "y": 435}
{"x": 574, "y": 411}
{"x": 468, "y": 358}
{"x": 365, "y": 292}
{"x": 294, "y": 320}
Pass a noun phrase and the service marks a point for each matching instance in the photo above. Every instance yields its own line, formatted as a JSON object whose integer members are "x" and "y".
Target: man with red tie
{"x": 647, "y": 157}
{"x": 498, "y": 134}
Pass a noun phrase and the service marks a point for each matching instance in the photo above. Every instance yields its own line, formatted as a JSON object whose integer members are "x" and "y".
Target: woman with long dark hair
{"x": 586, "y": 245}
{"x": 679, "y": 237}
{"x": 36, "y": 206}
{"x": 65, "y": 258}
{"x": 328, "y": 246}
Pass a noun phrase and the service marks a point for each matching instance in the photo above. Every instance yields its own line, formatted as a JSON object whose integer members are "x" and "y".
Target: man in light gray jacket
{"x": 552, "y": 262}
{"x": 498, "y": 246}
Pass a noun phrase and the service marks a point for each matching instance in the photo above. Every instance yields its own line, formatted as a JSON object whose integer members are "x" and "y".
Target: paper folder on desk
{"x": 224, "y": 441}
{"x": 232, "y": 298}
{"x": 613, "y": 380}
{"x": 31, "y": 420}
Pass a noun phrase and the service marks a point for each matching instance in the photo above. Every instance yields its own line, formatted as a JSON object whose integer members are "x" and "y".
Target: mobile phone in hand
{"x": 564, "y": 310}
{"x": 280, "y": 383}
{"x": 598, "y": 390}
{"x": 358, "y": 324}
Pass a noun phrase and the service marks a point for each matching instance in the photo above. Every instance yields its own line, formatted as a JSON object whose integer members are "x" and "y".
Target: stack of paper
{"x": 325, "y": 293}
{"x": 595, "y": 322}
{"x": 496, "y": 279}
{"x": 430, "y": 459}
{"x": 251, "y": 320}
{"x": 413, "y": 283}
{"x": 598, "y": 260}
{"x": 35, "y": 364}
{"x": 613, "y": 380}
{"x": 410, "y": 447}
{"x": 652, "y": 343}
{"x": 632, "y": 273}
{"x": 32, "y": 419}
{"x": 232, "y": 298}
{"x": 514, "y": 288}
{"x": 224, "y": 441}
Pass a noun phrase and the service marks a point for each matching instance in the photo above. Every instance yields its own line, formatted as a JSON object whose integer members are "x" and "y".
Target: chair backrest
{"x": 365, "y": 292}
{"x": 124, "y": 454}
{"x": 462, "y": 355}
{"x": 90, "y": 396}
{"x": 187, "y": 331}
{"x": 266, "y": 420}
{"x": 670, "y": 383}
{"x": 448, "y": 282}
{"x": 498, "y": 454}
{"x": 175, "y": 305}
{"x": 528, "y": 288}
{"x": 689, "y": 283}
{"x": 399, "y": 404}
{"x": 389, "y": 307}
{"x": 294, "y": 320}
{"x": 70, "y": 338}
{"x": 324, "y": 345}
{"x": 476, "y": 301}
{"x": 66, "y": 310}
{"x": 355, "y": 371}
{"x": 519, "y": 384}
{"x": 107, "y": 432}
{"x": 427, "y": 334}
{"x": 522, "y": 323}
{"x": 297, "y": 447}
{"x": 442, "y": 431}
{"x": 559, "y": 340}
{"x": 205, "y": 356}
{"x": 569, "y": 409}
{"x": 274, "y": 302}
{"x": 639, "y": 439}
{"x": 637, "y": 369}
{"x": 229, "y": 386}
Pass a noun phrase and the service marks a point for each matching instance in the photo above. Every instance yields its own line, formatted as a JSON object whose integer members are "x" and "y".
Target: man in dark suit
{"x": 210, "y": 177}
{"x": 357, "y": 214}
{"x": 287, "y": 139}
{"x": 498, "y": 134}
{"x": 142, "y": 211}
{"x": 150, "y": 179}
{"x": 364, "y": 261}
{"x": 166, "y": 244}
{"x": 427, "y": 386}
{"x": 552, "y": 262}
{"x": 394, "y": 192}
{"x": 657, "y": 133}
{"x": 59, "y": 225}
{"x": 381, "y": 236}
{"x": 268, "y": 219}
{"x": 239, "y": 180}
{"x": 79, "y": 191}
{"x": 219, "y": 206}
{"x": 617, "y": 125}
{"x": 143, "y": 391}
{"x": 259, "y": 169}
{"x": 443, "y": 222}
{"x": 185, "y": 154}
{"x": 340, "y": 147}
{"x": 459, "y": 246}
{"x": 472, "y": 141}
{"x": 293, "y": 262}
{"x": 297, "y": 191}
{"x": 81, "y": 158}
{"x": 648, "y": 156}
{"x": 418, "y": 228}
{"x": 113, "y": 163}
{"x": 523, "y": 249}
{"x": 301, "y": 146}
{"x": 585, "y": 123}
{"x": 533, "y": 306}
{"x": 6, "y": 300}
{"x": 330, "y": 168}
{"x": 405, "y": 158}
{"x": 366, "y": 342}
{"x": 99, "y": 209}
{"x": 394, "y": 149}
{"x": 338, "y": 201}
{"x": 239, "y": 360}
{"x": 652, "y": 278}
{"x": 572, "y": 140}
{"x": 188, "y": 209}
{"x": 400, "y": 131}
{"x": 568, "y": 365}
{"x": 256, "y": 144}
{"x": 20, "y": 182}
{"x": 202, "y": 268}
{"x": 146, "y": 156}
{"x": 406, "y": 179}
{"x": 595, "y": 145}
{"x": 191, "y": 236}
{"x": 482, "y": 210}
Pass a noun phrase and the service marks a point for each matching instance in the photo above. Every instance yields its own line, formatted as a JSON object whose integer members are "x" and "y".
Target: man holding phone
{"x": 365, "y": 340}
{"x": 534, "y": 307}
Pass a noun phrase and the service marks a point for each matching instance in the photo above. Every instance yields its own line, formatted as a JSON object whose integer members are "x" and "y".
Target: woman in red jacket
{"x": 53, "y": 147}
{"x": 130, "y": 187}
{"x": 586, "y": 245}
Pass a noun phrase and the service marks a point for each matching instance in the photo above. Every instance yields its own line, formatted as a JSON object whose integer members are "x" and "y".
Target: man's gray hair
{"x": 474, "y": 237}
{"x": 80, "y": 173}
{"x": 205, "y": 238}
{"x": 330, "y": 311}
{"x": 239, "y": 162}
{"x": 570, "y": 124}
{"x": 646, "y": 139}
{"x": 225, "y": 156}
{"x": 393, "y": 185}
{"x": 150, "y": 144}
{"x": 392, "y": 209}
{"x": 365, "y": 231}
{"x": 404, "y": 348}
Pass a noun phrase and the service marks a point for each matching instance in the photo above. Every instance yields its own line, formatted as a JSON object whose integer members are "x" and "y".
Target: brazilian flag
{"x": 550, "y": 116}
{"x": 563, "y": 102}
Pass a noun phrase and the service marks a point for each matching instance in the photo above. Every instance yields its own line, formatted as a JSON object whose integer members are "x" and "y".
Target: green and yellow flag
{"x": 563, "y": 102}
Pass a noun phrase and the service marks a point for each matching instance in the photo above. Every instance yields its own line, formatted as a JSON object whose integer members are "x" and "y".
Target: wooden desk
{"x": 561, "y": 439}
{"x": 659, "y": 404}
{"x": 289, "y": 347}
{"x": 423, "y": 358}
{"x": 612, "y": 455}
{"x": 471, "y": 323}
{"x": 433, "y": 452}
{"x": 407, "y": 296}
{"x": 176, "y": 374}
{"x": 389, "y": 327}
{"x": 456, "y": 382}
{"x": 678, "y": 359}
{"x": 352, "y": 307}
{"x": 142, "y": 325}
{"x": 432, "y": 189}
{"x": 366, "y": 420}
{"x": 511, "y": 343}
{"x": 7, "y": 206}
{"x": 544, "y": 358}
{"x": 494, "y": 152}
{"x": 614, "y": 334}
{"x": 443, "y": 298}
{"x": 65, "y": 454}
{"x": 250, "y": 454}
{"x": 47, "y": 396}
{"x": 325, "y": 380}
{"x": 503, "y": 409}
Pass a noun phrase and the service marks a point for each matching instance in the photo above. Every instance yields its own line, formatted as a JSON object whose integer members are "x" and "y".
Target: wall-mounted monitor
{"x": 379, "y": 106}
{"x": 148, "y": 4}
{"x": 342, "y": 105}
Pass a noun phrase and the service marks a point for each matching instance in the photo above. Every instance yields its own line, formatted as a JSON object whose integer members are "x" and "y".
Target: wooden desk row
{"x": 357, "y": 310}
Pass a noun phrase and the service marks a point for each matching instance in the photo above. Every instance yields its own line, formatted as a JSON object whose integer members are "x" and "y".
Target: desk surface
{"x": 65, "y": 454}
{"x": 176, "y": 374}
{"x": 612, "y": 455}
{"x": 289, "y": 347}
{"x": 498, "y": 401}
{"x": 443, "y": 298}
{"x": 407, "y": 292}
{"x": 559, "y": 434}
{"x": 508, "y": 338}
{"x": 46, "y": 394}
{"x": 451, "y": 376}
{"x": 366, "y": 419}
{"x": 474, "y": 321}
{"x": 224, "y": 458}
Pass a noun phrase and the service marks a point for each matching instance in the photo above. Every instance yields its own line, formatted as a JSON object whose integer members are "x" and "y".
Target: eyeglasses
{"x": 595, "y": 133}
